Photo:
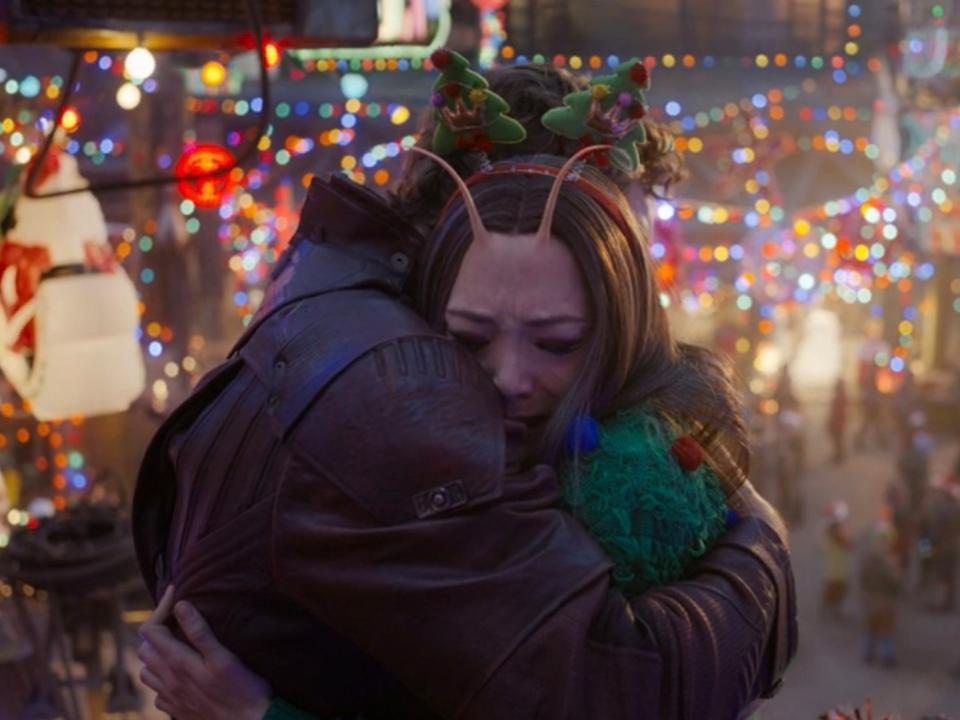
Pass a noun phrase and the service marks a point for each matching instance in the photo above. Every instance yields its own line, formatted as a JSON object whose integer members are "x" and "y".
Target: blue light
{"x": 613, "y": 61}
{"x": 800, "y": 61}
{"x": 348, "y": 120}
{"x": 302, "y": 108}
{"x": 403, "y": 64}
{"x": 854, "y": 10}
{"x": 79, "y": 481}
{"x": 256, "y": 105}
{"x": 759, "y": 100}
{"x": 910, "y": 313}
{"x": 688, "y": 123}
{"x": 73, "y": 147}
{"x": 146, "y": 276}
{"x": 736, "y": 252}
{"x": 839, "y": 77}
{"x": 766, "y": 311}
{"x": 149, "y": 85}
{"x": 897, "y": 364}
{"x": 673, "y": 108}
{"x": 709, "y": 61}
{"x": 106, "y": 146}
{"x": 105, "y": 62}
{"x": 155, "y": 348}
{"x": 240, "y": 298}
{"x": 876, "y": 311}
{"x": 30, "y": 86}
{"x": 354, "y": 86}
{"x": 657, "y": 250}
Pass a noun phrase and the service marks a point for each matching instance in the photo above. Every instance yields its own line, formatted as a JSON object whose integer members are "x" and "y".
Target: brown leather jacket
{"x": 332, "y": 498}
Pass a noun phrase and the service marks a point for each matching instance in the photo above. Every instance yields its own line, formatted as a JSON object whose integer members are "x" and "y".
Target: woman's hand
{"x": 747, "y": 502}
{"x": 202, "y": 682}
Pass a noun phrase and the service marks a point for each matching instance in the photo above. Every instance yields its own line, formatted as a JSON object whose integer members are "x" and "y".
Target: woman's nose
{"x": 511, "y": 374}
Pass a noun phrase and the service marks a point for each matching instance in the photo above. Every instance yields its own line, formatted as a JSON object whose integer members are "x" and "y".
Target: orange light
{"x": 23, "y": 435}
{"x": 271, "y": 53}
{"x": 70, "y": 120}
{"x": 381, "y": 177}
{"x": 213, "y": 74}
{"x": 60, "y": 502}
{"x": 59, "y": 481}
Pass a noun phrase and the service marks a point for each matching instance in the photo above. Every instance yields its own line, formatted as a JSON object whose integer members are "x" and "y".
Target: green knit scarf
{"x": 649, "y": 515}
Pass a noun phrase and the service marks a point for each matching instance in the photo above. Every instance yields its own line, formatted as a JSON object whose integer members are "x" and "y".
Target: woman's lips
{"x": 519, "y": 426}
{"x": 515, "y": 429}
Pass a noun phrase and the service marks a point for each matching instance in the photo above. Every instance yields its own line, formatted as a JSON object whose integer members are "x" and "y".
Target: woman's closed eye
{"x": 560, "y": 347}
{"x": 470, "y": 341}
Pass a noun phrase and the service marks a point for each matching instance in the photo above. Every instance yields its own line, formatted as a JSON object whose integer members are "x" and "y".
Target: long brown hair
{"x": 631, "y": 355}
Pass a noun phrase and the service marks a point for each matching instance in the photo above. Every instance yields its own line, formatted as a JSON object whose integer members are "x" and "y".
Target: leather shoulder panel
{"x": 299, "y": 350}
{"x": 411, "y": 430}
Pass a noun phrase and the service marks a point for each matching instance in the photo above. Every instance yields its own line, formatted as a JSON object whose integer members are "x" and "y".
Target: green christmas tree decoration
{"x": 608, "y": 112}
{"x": 469, "y": 115}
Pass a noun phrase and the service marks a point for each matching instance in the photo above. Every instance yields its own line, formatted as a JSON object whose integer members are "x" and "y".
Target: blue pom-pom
{"x": 583, "y": 435}
{"x": 733, "y": 518}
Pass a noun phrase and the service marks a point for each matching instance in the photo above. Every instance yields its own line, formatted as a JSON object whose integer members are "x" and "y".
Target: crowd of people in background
{"x": 910, "y": 552}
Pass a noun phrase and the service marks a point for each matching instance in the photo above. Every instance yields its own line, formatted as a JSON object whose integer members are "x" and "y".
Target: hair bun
{"x": 662, "y": 164}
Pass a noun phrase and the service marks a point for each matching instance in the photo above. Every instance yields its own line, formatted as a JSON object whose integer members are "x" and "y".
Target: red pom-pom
{"x": 482, "y": 142}
{"x": 586, "y": 140}
{"x": 640, "y": 75}
{"x": 638, "y": 111}
{"x": 440, "y": 58}
{"x": 688, "y": 453}
{"x": 452, "y": 90}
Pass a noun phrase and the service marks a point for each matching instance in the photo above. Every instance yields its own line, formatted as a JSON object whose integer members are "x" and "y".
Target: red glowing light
{"x": 202, "y": 189}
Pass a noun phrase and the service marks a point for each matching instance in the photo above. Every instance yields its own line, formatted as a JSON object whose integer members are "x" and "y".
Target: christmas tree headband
{"x": 605, "y": 118}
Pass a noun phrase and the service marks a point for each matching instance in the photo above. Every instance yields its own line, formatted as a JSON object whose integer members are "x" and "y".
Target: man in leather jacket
{"x": 332, "y": 499}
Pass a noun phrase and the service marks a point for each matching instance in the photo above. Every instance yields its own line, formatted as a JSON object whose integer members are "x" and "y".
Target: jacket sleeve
{"x": 395, "y": 525}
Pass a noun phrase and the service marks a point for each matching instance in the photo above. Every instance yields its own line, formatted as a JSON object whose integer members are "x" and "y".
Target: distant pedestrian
{"x": 913, "y": 460}
{"x": 836, "y": 561}
{"x": 881, "y": 582}
{"x": 940, "y": 538}
{"x": 837, "y": 421}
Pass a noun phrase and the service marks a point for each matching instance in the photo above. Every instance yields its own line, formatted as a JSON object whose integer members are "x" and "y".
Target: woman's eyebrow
{"x": 470, "y": 315}
{"x": 554, "y": 320}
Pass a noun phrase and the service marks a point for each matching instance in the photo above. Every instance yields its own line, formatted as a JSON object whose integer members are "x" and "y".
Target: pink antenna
{"x": 480, "y": 233}
{"x": 546, "y": 224}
